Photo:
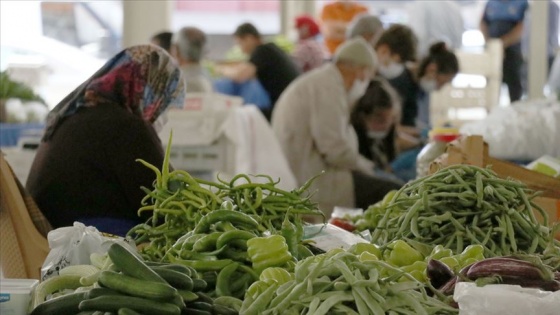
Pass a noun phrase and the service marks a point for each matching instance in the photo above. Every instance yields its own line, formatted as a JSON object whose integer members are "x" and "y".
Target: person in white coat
{"x": 312, "y": 122}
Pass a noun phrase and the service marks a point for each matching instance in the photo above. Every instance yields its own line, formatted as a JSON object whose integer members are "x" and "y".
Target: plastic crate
{"x": 216, "y": 157}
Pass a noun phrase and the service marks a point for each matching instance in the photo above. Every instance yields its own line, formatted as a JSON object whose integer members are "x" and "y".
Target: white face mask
{"x": 391, "y": 71}
{"x": 160, "y": 122}
{"x": 357, "y": 90}
{"x": 377, "y": 135}
{"x": 428, "y": 85}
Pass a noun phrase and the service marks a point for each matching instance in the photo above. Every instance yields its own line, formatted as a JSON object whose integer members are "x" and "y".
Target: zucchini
{"x": 95, "y": 292}
{"x": 131, "y": 265}
{"x": 52, "y": 285}
{"x": 223, "y": 310}
{"x": 199, "y": 284}
{"x": 66, "y": 304}
{"x": 176, "y": 279}
{"x": 113, "y": 303}
{"x": 179, "y": 268}
{"x": 188, "y": 296}
{"x": 127, "y": 311}
{"x": 136, "y": 287}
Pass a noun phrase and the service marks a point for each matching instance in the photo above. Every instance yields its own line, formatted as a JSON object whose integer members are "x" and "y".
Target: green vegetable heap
{"x": 340, "y": 282}
{"x": 464, "y": 205}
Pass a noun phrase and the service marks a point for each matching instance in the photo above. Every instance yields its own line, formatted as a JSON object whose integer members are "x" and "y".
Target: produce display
{"x": 237, "y": 247}
{"x": 463, "y": 205}
{"x": 340, "y": 282}
{"x": 180, "y": 203}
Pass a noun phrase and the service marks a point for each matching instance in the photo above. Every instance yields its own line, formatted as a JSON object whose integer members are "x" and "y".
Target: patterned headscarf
{"x": 143, "y": 79}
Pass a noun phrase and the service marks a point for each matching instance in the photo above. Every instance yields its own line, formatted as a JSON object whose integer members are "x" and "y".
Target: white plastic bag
{"x": 499, "y": 299}
{"x": 524, "y": 131}
{"x": 73, "y": 245}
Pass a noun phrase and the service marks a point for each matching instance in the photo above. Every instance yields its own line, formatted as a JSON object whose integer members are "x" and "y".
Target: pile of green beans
{"x": 462, "y": 205}
{"x": 177, "y": 202}
{"x": 339, "y": 283}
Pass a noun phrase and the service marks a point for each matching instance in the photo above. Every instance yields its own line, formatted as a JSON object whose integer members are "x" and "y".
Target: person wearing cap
{"x": 267, "y": 62}
{"x": 188, "y": 49}
{"x": 308, "y": 53}
{"x": 367, "y": 26}
{"x": 312, "y": 123}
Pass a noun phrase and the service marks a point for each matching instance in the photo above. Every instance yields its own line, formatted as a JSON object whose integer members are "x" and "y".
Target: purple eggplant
{"x": 505, "y": 268}
{"x": 438, "y": 273}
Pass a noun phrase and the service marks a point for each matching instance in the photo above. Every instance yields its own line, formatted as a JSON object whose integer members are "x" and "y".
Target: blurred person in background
{"x": 85, "y": 168}
{"x": 335, "y": 18}
{"x": 163, "y": 40}
{"x": 267, "y": 62}
{"x": 375, "y": 118}
{"x": 503, "y": 19}
{"x": 435, "y": 21}
{"x": 312, "y": 123}
{"x": 367, "y": 26}
{"x": 552, "y": 40}
{"x": 437, "y": 69}
{"x": 188, "y": 48}
{"x": 395, "y": 48}
{"x": 308, "y": 53}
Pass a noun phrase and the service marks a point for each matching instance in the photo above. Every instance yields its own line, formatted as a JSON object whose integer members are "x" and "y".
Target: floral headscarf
{"x": 143, "y": 79}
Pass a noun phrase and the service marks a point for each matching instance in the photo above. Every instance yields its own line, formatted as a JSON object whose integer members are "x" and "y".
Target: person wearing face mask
{"x": 312, "y": 123}
{"x": 367, "y": 26}
{"x": 85, "y": 168}
{"x": 435, "y": 71}
{"x": 374, "y": 119}
{"x": 396, "y": 47}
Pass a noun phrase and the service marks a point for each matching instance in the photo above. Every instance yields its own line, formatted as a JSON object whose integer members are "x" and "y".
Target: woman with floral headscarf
{"x": 85, "y": 167}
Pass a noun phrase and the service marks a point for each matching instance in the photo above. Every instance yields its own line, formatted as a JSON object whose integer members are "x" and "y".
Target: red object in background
{"x": 228, "y": 6}
{"x": 343, "y": 224}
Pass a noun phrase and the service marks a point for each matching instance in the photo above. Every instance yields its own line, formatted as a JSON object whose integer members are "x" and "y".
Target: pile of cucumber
{"x": 138, "y": 288}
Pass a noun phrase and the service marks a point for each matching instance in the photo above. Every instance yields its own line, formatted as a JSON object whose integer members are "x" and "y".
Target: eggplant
{"x": 505, "y": 268}
{"x": 438, "y": 273}
{"x": 545, "y": 285}
{"x": 449, "y": 287}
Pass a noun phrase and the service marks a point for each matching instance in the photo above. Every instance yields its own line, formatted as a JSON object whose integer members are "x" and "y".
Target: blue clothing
{"x": 423, "y": 101}
{"x": 107, "y": 225}
{"x": 502, "y": 16}
{"x": 251, "y": 91}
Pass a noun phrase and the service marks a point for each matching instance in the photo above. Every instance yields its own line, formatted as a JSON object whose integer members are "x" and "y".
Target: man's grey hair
{"x": 364, "y": 24}
{"x": 190, "y": 43}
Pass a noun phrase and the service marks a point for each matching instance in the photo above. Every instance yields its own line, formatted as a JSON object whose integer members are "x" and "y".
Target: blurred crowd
{"x": 350, "y": 100}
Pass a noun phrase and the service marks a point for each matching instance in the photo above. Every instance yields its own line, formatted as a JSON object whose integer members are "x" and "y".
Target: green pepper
{"x": 472, "y": 251}
{"x": 280, "y": 275}
{"x": 359, "y": 248}
{"x": 439, "y": 252}
{"x": 367, "y": 256}
{"x": 417, "y": 270}
{"x": 289, "y": 233}
{"x": 270, "y": 251}
{"x": 451, "y": 262}
{"x": 402, "y": 254}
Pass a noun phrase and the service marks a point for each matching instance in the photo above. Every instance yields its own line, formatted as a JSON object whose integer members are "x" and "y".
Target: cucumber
{"x": 199, "y": 284}
{"x": 127, "y": 311}
{"x": 223, "y": 310}
{"x": 188, "y": 296}
{"x": 203, "y": 306}
{"x": 114, "y": 303}
{"x": 179, "y": 268}
{"x": 176, "y": 279}
{"x": 95, "y": 292}
{"x": 131, "y": 265}
{"x": 136, "y": 287}
{"x": 193, "y": 311}
{"x": 66, "y": 304}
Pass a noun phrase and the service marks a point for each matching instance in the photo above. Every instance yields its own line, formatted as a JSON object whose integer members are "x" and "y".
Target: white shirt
{"x": 312, "y": 122}
{"x": 434, "y": 21}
